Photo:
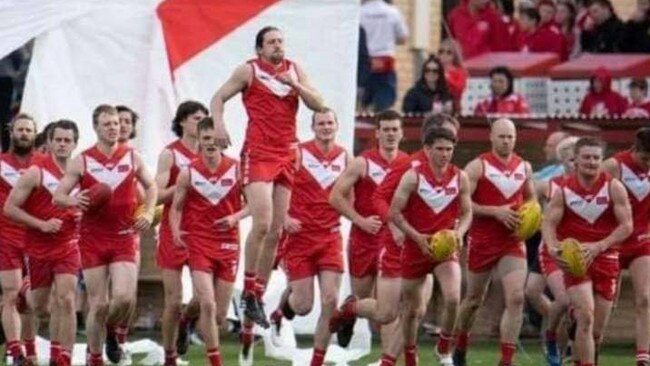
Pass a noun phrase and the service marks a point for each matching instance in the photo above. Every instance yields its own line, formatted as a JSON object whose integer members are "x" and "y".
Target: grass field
{"x": 481, "y": 353}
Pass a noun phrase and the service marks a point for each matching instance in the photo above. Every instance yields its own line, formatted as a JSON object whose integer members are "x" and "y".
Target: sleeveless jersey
{"x": 637, "y": 182}
{"x": 182, "y": 157}
{"x": 10, "y": 170}
{"x": 313, "y": 183}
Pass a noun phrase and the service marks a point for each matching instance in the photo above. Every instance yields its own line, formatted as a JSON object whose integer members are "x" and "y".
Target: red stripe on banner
{"x": 190, "y": 26}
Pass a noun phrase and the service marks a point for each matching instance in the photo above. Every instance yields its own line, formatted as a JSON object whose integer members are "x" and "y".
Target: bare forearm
{"x": 345, "y": 207}
{"x": 150, "y": 197}
{"x": 619, "y": 234}
{"x": 401, "y": 223}
{"x": 312, "y": 99}
{"x": 464, "y": 223}
{"x": 20, "y": 216}
{"x": 165, "y": 195}
{"x": 482, "y": 210}
{"x": 63, "y": 200}
{"x": 242, "y": 214}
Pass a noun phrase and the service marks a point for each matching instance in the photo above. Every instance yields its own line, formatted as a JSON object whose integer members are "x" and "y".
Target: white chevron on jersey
{"x": 375, "y": 172}
{"x": 50, "y": 183}
{"x": 440, "y": 197}
{"x": 274, "y": 85}
{"x": 9, "y": 174}
{"x": 214, "y": 190}
{"x": 590, "y": 207}
{"x": 111, "y": 175}
{"x": 324, "y": 173}
{"x": 180, "y": 160}
{"x": 639, "y": 186}
{"x": 508, "y": 183}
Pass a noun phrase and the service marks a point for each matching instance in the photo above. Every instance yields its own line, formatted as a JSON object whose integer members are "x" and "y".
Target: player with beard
{"x": 204, "y": 217}
{"x": 499, "y": 182}
{"x": 12, "y": 244}
{"x": 593, "y": 208}
{"x": 170, "y": 258}
{"x": 107, "y": 242}
{"x": 271, "y": 87}
{"x": 51, "y": 240}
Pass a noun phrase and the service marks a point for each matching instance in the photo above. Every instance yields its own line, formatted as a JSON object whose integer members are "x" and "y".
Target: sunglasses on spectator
{"x": 444, "y": 51}
{"x": 431, "y": 69}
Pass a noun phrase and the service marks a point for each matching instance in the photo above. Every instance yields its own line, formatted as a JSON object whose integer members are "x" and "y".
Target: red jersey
{"x": 434, "y": 205}
{"x": 211, "y": 196}
{"x": 638, "y": 109}
{"x": 314, "y": 181}
{"x": 588, "y": 213}
{"x": 500, "y": 184}
{"x": 544, "y": 39}
{"x": 511, "y": 104}
{"x": 39, "y": 204}
{"x": 115, "y": 220}
{"x": 182, "y": 157}
{"x": 383, "y": 195}
{"x": 479, "y": 32}
{"x": 636, "y": 181}
{"x": 10, "y": 170}
{"x": 377, "y": 168}
{"x": 271, "y": 106}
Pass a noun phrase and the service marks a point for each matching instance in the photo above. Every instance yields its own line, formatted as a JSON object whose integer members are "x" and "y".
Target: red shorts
{"x": 363, "y": 257}
{"x": 546, "y": 262}
{"x": 416, "y": 264}
{"x": 11, "y": 257}
{"x": 390, "y": 257}
{"x": 168, "y": 255}
{"x": 43, "y": 271}
{"x": 222, "y": 262}
{"x": 308, "y": 254}
{"x": 484, "y": 256}
{"x": 603, "y": 274}
{"x": 95, "y": 254}
{"x": 630, "y": 251}
{"x": 258, "y": 165}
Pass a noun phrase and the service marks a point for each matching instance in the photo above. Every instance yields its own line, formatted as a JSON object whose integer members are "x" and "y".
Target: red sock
{"x": 550, "y": 336}
{"x": 55, "y": 350}
{"x": 387, "y": 360}
{"x": 214, "y": 356}
{"x": 318, "y": 357}
{"x": 462, "y": 340}
{"x": 30, "y": 348}
{"x": 65, "y": 358}
{"x": 642, "y": 355}
{"x": 96, "y": 359}
{"x": 444, "y": 343}
{"x": 249, "y": 282}
{"x": 411, "y": 355}
{"x": 260, "y": 287}
{"x": 507, "y": 352}
{"x": 121, "y": 332}
{"x": 15, "y": 349}
{"x": 247, "y": 333}
{"x": 170, "y": 357}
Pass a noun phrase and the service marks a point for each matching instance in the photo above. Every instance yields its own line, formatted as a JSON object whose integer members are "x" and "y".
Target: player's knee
{"x": 585, "y": 318}
{"x": 99, "y": 309}
{"x": 122, "y": 301}
{"x": 9, "y": 296}
{"x": 301, "y": 307}
{"x": 387, "y": 316}
{"x": 642, "y": 302}
{"x": 532, "y": 292}
{"x": 66, "y": 302}
{"x": 329, "y": 300}
{"x": 40, "y": 309}
{"x": 451, "y": 303}
{"x": 472, "y": 303}
{"x": 222, "y": 316}
{"x": 516, "y": 299}
{"x": 260, "y": 227}
{"x": 174, "y": 305}
{"x": 209, "y": 307}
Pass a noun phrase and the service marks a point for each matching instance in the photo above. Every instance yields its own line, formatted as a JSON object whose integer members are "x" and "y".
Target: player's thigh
{"x": 96, "y": 280}
{"x": 389, "y": 293}
{"x": 555, "y": 282}
{"x": 281, "y": 198}
{"x": 449, "y": 277}
{"x": 512, "y": 271}
{"x": 203, "y": 286}
{"x": 259, "y": 198}
{"x": 222, "y": 296}
{"x": 39, "y": 299}
{"x": 65, "y": 284}
{"x": 303, "y": 292}
{"x": 363, "y": 287}
{"x": 640, "y": 273}
{"x": 11, "y": 281}
{"x": 581, "y": 297}
{"x": 124, "y": 279}
{"x": 477, "y": 283}
{"x": 329, "y": 283}
{"x": 413, "y": 292}
{"x": 535, "y": 284}
{"x": 172, "y": 284}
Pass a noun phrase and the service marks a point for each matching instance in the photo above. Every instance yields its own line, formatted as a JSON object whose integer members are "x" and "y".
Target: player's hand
{"x": 287, "y": 78}
{"x": 143, "y": 222}
{"x": 222, "y": 138}
{"x": 292, "y": 225}
{"x": 460, "y": 243}
{"x": 397, "y": 234}
{"x": 51, "y": 226}
{"x": 556, "y": 254}
{"x": 423, "y": 243}
{"x": 81, "y": 200}
{"x": 369, "y": 224}
{"x": 177, "y": 237}
{"x": 590, "y": 251}
{"x": 508, "y": 217}
{"x": 225, "y": 223}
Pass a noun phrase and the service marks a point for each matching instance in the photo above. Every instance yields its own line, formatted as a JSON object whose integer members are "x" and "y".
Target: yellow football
{"x": 530, "y": 215}
{"x": 571, "y": 253}
{"x": 443, "y": 244}
{"x": 157, "y": 214}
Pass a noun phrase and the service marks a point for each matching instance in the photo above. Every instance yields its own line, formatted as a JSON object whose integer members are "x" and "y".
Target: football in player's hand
{"x": 530, "y": 216}
{"x": 157, "y": 214}
{"x": 571, "y": 253}
{"x": 98, "y": 195}
{"x": 443, "y": 244}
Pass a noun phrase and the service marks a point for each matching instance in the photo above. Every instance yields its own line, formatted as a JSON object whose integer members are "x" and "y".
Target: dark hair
{"x": 508, "y": 7}
{"x": 589, "y": 141}
{"x": 604, "y": 3}
{"x": 437, "y": 133}
{"x": 442, "y": 90}
{"x": 259, "y": 38}
{"x": 573, "y": 14}
{"x": 323, "y": 111}
{"x": 531, "y": 13}
{"x": 505, "y": 71}
{"x": 64, "y": 124}
{"x": 42, "y": 137}
{"x": 102, "y": 108}
{"x": 642, "y": 141}
{"x": 639, "y": 83}
{"x": 205, "y": 124}
{"x": 437, "y": 120}
{"x": 186, "y": 109}
{"x": 21, "y": 115}
{"x": 134, "y": 117}
{"x": 387, "y": 115}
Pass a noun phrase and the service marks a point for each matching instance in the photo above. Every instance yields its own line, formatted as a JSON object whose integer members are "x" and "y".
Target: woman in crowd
{"x": 455, "y": 74}
{"x": 565, "y": 17}
{"x": 503, "y": 100}
{"x": 430, "y": 93}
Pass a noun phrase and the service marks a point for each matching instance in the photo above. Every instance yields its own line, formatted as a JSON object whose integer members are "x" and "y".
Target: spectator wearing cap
{"x": 503, "y": 100}
{"x": 601, "y": 100}
{"x": 430, "y": 93}
{"x": 536, "y": 38}
{"x": 638, "y": 105}
{"x": 477, "y": 27}
{"x": 608, "y": 30}
{"x": 455, "y": 74}
{"x": 637, "y": 29}
{"x": 565, "y": 18}
{"x": 385, "y": 28}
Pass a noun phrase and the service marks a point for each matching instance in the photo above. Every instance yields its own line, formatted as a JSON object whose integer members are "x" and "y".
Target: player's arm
{"x": 17, "y": 197}
{"x": 176, "y": 209}
{"x": 406, "y": 186}
{"x": 341, "y": 197}
{"x": 611, "y": 167}
{"x": 623, "y": 213}
{"x": 165, "y": 163}
{"x": 553, "y": 214}
{"x": 150, "y": 193}
{"x": 541, "y": 187}
{"x": 230, "y": 221}
{"x": 530, "y": 193}
{"x": 71, "y": 178}
{"x": 237, "y": 83}
{"x": 307, "y": 93}
{"x": 465, "y": 219}
{"x": 504, "y": 214}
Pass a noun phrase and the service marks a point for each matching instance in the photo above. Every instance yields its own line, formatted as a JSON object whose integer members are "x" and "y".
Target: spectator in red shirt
{"x": 506, "y": 10}
{"x": 430, "y": 93}
{"x": 601, "y": 100}
{"x": 476, "y": 27}
{"x": 565, "y": 17}
{"x": 455, "y": 73}
{"x": 638, "y": 104}
{"x": 536, "y": 38}
{"x": 503, "y": 100}
{"x": 547, "y": 10}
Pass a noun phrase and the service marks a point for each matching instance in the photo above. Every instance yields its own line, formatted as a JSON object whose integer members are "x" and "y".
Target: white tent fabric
{"x": 89, "y": 52}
